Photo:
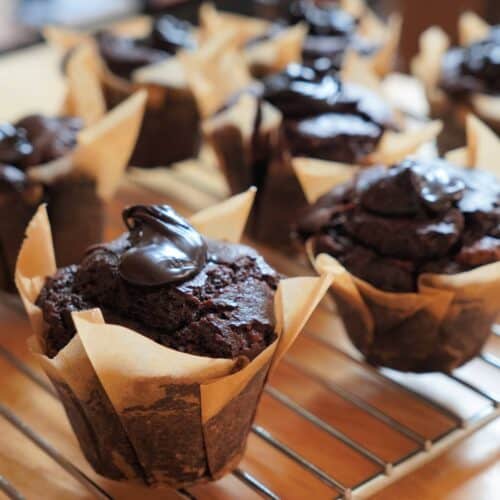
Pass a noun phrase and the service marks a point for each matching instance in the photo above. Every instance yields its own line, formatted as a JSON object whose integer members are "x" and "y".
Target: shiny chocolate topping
{"x": 325, "y": 117}
{"x": 410, "y": 187}
{"x": 389, "y": 225}
{"x": 165, "y": 248}
{"x": 332, "y": 31}
{"x": 475, "y": 68}
{"x": 50, "y": 137}
{"x": 14, "y": 145}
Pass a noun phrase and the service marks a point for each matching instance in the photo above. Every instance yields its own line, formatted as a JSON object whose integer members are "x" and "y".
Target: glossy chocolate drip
{"x": 475, "y": 68}
{"x": 165, "y": 248}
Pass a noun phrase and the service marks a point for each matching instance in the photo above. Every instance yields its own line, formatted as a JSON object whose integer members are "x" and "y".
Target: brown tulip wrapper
{"x": 142, "y": 411}
{"x": 426, "y": 66}
{"x": 447, "y": 321}
{"x": 438, "y": 328}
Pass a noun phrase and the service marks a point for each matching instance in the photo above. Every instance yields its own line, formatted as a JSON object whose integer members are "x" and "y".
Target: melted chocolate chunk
{"x": 324, "y": 117}
{"x": 165, "y": 248}
{"x": 388, "y": 226}
{"x": 475, "y": 68}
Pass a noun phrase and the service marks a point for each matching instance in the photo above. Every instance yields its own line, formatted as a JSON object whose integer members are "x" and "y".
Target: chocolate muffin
{"x": 171, "y": 126}
{"x": 215, "y": 300}
{"x": 461, "y": 79}
{"x": 390, "y": 227}
{"x": 468, "y": 72}
{"x": 475, "y": 68}
{"x": 322, "y": 117}
{"x": 165, "y": 282}
{"x": 75, "y": 209}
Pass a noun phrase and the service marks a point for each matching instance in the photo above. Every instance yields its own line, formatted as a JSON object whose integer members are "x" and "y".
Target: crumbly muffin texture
{"x": 226, "y": 310}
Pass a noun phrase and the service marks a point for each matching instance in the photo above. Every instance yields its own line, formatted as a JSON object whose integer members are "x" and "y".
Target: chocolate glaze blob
{"x": 410, "y": 187}
{"x": 165, "y": 248}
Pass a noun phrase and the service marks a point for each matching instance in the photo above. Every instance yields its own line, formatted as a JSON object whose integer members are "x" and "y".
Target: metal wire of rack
{"x": 387, "y": 471}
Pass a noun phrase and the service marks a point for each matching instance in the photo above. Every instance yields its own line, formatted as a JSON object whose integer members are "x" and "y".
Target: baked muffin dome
{"x": 389, "y": 225}
{"x": 165, "y": 281}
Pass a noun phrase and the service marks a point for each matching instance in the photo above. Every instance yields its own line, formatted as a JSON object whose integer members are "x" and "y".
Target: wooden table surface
{"x": 29, "y": 81}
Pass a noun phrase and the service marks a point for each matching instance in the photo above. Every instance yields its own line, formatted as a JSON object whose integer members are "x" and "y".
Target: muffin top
{"x": 123, "y": 55}
{"x": 324, "y": 117}
{"x": 165, "y": 281}
{"x": 475, "y": 68}
{"x": 389, "y": 225}
{"x": 32, "y": 141}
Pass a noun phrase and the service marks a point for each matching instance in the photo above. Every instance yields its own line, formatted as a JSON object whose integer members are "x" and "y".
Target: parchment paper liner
{"x": 215, "y": 72}
{"x": 426, "y": 66}
{"x": 231, "y": 135}
{"x": 244, "y": 28}
{"x": 142, "y": 411}
{"x": 170, "y": 103}
{"x": 439, "y": 328}
{"x": 77, "y": 185}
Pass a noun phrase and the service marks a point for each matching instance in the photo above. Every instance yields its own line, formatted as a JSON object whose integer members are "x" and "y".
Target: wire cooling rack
{"x": 322, "y": 388}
